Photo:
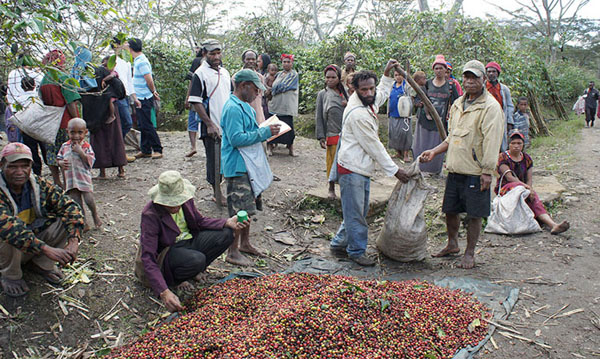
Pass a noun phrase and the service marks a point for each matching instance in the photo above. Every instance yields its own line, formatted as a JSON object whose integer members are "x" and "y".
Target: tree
{"x": 553, "y": 20}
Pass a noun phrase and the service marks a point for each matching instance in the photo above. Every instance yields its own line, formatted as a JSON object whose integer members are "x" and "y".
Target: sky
{"x": 480, "y": 8}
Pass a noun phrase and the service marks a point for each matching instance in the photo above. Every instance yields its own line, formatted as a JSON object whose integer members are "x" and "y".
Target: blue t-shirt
{"x": 394, "y": 96}
{"x": 238, "y": 122}
{"x": 141, "y": 67}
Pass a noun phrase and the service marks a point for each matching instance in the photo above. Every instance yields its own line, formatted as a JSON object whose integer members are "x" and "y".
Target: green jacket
{"x": 50, "y": 203}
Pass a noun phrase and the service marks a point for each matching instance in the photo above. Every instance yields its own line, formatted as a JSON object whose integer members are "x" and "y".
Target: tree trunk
{"x": 423, "y": 6}
{"x": 556, "y": 102}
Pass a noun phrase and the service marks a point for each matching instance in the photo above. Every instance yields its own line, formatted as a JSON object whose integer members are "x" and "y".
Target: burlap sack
{"x": 404, "y": 234}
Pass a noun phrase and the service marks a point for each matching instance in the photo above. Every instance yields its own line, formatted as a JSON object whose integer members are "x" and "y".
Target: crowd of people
{"x": 232, "y": 115}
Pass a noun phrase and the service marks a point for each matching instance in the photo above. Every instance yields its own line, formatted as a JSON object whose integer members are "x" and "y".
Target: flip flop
{"x": 14, "y": 283}
{"x": 49, "y": 275}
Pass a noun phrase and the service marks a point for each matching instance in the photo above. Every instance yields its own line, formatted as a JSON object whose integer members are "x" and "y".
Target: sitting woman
{"x": 518, "y": 167}
{"x": 177, "y": 243}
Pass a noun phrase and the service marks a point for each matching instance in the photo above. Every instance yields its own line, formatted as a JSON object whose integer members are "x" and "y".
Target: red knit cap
{"x": 439, "y": 60}
{"x": 493, "y": 65}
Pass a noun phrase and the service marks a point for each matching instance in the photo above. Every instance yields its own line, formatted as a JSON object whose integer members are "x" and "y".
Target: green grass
{"x": 563, "y": 133}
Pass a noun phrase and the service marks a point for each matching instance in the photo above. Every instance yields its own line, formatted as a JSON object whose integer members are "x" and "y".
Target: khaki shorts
{"x": 240, "y": 196}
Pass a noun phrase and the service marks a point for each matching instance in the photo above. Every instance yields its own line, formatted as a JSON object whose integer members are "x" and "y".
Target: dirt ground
{"x": 552, "y": 272}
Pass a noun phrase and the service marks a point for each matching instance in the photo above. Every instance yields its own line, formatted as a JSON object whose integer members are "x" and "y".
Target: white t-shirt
{"x": 123, "y": 69}
{"x": 214, "y": 85}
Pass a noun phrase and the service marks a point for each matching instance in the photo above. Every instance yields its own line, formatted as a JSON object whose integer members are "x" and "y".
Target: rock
{"x": 548, "y": 188}
{"x": 570, "y": 199}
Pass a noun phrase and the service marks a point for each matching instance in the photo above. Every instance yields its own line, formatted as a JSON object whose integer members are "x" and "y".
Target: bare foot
{"x": 235, "y": 257}
{"x": 331, "y": 194}
{"x": 86, "y": 228}
{"x": 101, "y": 178}
{"x": 467, "y": 262}
{"x": 201, "y": 277}
{"x": 121, "y": 174}
{"x": 247, "y": 248}
{"x": 223, "y": 201}
{"x": 448, "y": 251}
{"x": 14, "y": 287}
{"x": 97, "y": 222}
{"x": 186, "y": 286}
{"x": 191, "y": 153}
{"x": 559, "y": 228}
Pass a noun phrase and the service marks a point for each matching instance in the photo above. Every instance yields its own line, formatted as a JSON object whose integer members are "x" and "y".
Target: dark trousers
{"x": 149, "y": 138}
{"x": 590, "y": 113}
{"x": 33, "y": 144}
{"x": 210, "y": 151}
{"x": 189, "y": 257}
{"x": 124, "y": 114}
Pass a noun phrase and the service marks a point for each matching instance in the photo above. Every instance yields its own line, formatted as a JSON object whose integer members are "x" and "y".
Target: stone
{"x": 548, "y": 188}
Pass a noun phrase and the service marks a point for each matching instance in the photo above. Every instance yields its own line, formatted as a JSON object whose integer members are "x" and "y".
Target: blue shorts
{"x": 193, "y": 120}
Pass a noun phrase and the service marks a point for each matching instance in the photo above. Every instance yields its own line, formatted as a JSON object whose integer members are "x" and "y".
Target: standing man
{"x": 349, "y": 67}
{"x": 143, "y": 96}
{"x": 123, "y": 69}
{"x": 39, "y": 223}
{"x": 249, "y": 59}
{"x": 193, "y": 118}
{"x": 240, "y": 130}
{"x": 502, "y": 94}
{"x": 591, "y": 103}
{"x": 359, "y": 149}
{"x": 211, "y": 87}
{"x": 474, "y": 136}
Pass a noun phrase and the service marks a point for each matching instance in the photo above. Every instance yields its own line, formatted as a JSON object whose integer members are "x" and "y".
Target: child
{"x": 107, "y": 77}
{"x": 270, "y": 78}
{"x": 76, "y": 159}
{"x": 521, "y": 119}
{"x": 399, "y": 131}
{"x": 349, "y": 87}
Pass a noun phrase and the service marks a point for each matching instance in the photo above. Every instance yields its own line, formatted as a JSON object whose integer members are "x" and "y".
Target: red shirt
{"x": 495, "y": 91}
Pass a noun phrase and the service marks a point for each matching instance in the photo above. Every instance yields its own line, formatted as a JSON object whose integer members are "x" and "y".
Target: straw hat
{"x": 172, "y": 190}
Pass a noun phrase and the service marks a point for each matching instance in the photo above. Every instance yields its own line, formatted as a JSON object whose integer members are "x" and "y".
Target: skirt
{"x": 426, "y": 140}
{"x": 400, "y": 133}
{"x": 108, "y": 145}
{"x": 286, "y": 138}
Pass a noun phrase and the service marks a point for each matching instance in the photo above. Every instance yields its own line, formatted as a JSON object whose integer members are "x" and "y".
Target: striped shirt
{"x": 141, "y": 67}
{"x": 79, "y": 174}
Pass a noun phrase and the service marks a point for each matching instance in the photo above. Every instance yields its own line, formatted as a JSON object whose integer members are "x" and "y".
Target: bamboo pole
{"x": 426, "y": 101}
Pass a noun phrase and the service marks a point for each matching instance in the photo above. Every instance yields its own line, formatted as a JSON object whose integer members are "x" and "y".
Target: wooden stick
{"x": 520, "y": 337}
{"x": 553, "y": 315}
{"x": 502, "y": 326}
{"x": 426, "y": 101}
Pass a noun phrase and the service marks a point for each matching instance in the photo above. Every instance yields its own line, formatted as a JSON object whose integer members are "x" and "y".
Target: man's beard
{"x": 367, "y": 101}
{"x": 251, "y": 66}
{"x": 213, "y": 64}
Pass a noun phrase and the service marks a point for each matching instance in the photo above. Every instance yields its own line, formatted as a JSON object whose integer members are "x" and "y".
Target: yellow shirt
{"x": 474, "y": 136}
{"x": 179, "y": 219}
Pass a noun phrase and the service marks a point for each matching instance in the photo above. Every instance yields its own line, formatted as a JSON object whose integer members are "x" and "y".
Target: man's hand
{"x": 72, "y": 248}
{"x": 323, "y": 143}
{"x": 212, "y": 129}
{"x": 235, "y": 225}
{"x": 486, "y": 181}
{"x": 155, "y": 94}
{"x": 427, "y": 156}
{"x": 171, "y": 301}
{"x": 186, "y": 104}
{"x": 390, "y": 65}
{"x": 137, "y": 103}
{"x": 402, "y": 176}
{"x": 275, "y": 129}
{"x": 57, "y": 254}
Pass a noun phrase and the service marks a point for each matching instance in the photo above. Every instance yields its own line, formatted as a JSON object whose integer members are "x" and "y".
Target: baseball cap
{"x": 15, "y": 151}
{"x": 475, "y": 67}
{"x": 211, "y": 45}
{"x": 247, "y": 75}
{"x": 514, "y": 133}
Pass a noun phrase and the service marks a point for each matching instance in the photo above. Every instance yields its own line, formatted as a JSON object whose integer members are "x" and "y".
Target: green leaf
{"x": 14, "y": 48}
{"x": 385, "y": 304}
{"x": 40, "y": 25}
{"x": 406, "y": 314}
{"x": 82, "y": 17}
{"x": 440, "y": 332}
{"x": 72, "y": 82}
{"x": 474, "y": 324}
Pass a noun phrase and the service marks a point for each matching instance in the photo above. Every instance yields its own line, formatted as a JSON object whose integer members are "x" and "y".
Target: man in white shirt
{"x": 211, "y": 87}
{"x": 123, "y": 69}
{"x": 359, "y": 149}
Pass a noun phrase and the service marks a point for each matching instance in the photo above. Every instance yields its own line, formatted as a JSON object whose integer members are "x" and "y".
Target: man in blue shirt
{"x": 239, "y": 128}
{"x": 144, "y": 95}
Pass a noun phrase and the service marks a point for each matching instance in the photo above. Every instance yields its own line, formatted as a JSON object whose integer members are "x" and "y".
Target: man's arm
{"x": 385, "y": 84}
{"x": 321, "y": 126}
{"x": 150, "y": 84}
{"x": 195, "y": 98}
{"x": 14, "y": 232}
{"x": 233, "y": 128}
{"x": 492, "y": 128}
{"x": 149, "y": 244}
{"x": 369, "y": 141}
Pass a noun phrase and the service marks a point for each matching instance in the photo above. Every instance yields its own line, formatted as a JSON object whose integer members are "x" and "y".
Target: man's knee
{"x": 195, "y": 263}
{"x": 226, "y": 237}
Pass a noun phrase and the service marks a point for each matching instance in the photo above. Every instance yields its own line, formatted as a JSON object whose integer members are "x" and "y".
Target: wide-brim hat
{"x": 172, "y": 190}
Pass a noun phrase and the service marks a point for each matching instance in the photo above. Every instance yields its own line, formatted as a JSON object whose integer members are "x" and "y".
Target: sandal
{"x": 53, "y": 276}
{"x": 14, "y": 288}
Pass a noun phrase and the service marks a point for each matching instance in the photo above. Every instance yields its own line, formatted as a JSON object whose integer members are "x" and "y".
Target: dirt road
{"x": 551, "y": 271}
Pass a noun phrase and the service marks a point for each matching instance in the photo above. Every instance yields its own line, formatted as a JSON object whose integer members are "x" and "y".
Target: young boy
{"x": 270, "y": 78}
{"x": 521, "y": 119}
{"x": 76, "y": 159}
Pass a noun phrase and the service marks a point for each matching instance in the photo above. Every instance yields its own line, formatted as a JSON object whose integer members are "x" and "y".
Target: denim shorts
{"x": 193, "y": 120}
